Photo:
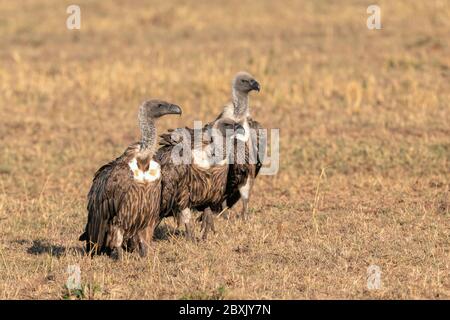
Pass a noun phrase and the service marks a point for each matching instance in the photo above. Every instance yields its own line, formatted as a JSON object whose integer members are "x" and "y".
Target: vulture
{"x": 125, "y": 196}
{"x": 250, "y": 143}
{"x": 199, "y": 183}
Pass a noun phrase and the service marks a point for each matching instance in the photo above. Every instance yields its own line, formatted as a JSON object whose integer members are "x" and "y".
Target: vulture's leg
{"x": 244, "y": 208}
{"x": 143, "y": 249}
{"x": 190, "y": 234}
{"x": 211, "y": 223}
{"x": 202, "y": 218}
{"x": 245, "y": 195}
{"x": 131, "y": 244}
{"x": 145, "y": 237}
{"x": 225, "y": 209}
{"x": 115, "y": 241}
{"x": 142, "y": 243}
{"x": 117, "y": 254}
{"x": 186, "y": 220}
{"x": 207, "y": 223}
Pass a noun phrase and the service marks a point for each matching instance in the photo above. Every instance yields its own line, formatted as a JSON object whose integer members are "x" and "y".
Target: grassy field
{"x": 370, "y": 109}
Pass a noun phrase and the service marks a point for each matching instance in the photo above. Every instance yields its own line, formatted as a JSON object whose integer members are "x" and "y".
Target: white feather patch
{"x": 245, "y": 189}
{"x": 201, "y": 159}
{"x": 204, "y": 159}
{"x": 153, "y": 173}
{"x": 244, "y": 137}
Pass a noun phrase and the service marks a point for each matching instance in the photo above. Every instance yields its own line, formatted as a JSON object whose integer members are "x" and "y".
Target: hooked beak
{"x": 174, "y": 109}
{"x": 255, "y": 85}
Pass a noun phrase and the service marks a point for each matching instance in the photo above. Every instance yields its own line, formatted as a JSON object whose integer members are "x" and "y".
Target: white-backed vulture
{"x": 248, "y": 155}
{"x": 199, "y": 184}
{"x": 248, "y": 150}
{"x": 124, "y": 199}
{"x": 210, "y": 188}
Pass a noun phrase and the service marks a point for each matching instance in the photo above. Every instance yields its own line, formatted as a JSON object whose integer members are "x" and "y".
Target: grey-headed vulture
{"x": 124, "y": 199}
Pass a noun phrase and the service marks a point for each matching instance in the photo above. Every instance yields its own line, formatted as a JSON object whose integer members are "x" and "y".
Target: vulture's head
{"x": 222, "y": 133}
{"x": 152, "y": 109}
{"x": 244, "y": 82}
{"x": 224, "y": 125}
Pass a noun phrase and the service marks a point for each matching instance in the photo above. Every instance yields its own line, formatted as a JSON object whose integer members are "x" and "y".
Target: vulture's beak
{"x": 255, "y": 85}
{"x": 173, "y": 109}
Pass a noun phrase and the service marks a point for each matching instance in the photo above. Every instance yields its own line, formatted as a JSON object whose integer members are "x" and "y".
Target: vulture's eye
{"x": 243, "y": 80}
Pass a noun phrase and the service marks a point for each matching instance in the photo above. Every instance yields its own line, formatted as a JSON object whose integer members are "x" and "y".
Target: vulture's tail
{"x": 84, "y": 236}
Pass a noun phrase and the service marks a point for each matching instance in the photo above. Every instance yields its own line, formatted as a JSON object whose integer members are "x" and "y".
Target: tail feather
{"x": 84, "y": 236}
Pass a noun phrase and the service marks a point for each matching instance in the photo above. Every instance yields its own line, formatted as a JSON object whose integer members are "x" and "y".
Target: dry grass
{"x": 370, "y": 106}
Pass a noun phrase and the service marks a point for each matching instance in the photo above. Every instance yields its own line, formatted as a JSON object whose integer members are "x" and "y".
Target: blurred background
{"x": 367, "y": 108}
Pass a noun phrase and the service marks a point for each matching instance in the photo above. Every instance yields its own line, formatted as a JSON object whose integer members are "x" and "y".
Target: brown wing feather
{"x": 175, "y": 191}
{"x": 260, "y": 145}
{"x": 109, "y": 186}
{"x": 184, "y": 185}
{"x": 176, "y": 136}
{"x": 239, "y": 173}
{"x": 171, "y": 176}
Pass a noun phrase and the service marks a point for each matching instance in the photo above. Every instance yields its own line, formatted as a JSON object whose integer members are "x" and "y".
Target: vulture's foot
{"x": 204, "y": 228}
{"x": 117, "y": 254}
{"x": 244, "y": 214}
{"x": 143, "y": 249}
{"x": 130, "y": 245}
{"x": 207, "y": 223}
{"x": 190, "y": 234}
{"x": 225, "y": 211}
{"x": 186, "y": 220}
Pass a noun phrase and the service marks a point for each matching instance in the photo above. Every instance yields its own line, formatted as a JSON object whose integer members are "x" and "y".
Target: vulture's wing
{"x": 173, "y": 171}
{"x": 171, "y": 174}
{"x": 109, "y": 186}
{"x": 260, "y": 145}
{"x": 174, "y": 137}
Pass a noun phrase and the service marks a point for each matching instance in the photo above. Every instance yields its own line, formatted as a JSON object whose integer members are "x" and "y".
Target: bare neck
{"x": 148, "y": 136}
{"x": 240, "y": 103}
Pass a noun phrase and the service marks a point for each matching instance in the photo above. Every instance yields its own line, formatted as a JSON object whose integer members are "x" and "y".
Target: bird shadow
{"x": 40, "y": 246}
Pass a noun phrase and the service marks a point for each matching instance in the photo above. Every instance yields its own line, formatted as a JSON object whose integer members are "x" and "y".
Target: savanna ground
{"x": 368, "y": 108}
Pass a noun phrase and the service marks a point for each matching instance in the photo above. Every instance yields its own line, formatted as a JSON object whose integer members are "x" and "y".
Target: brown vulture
{"x": 124, "y": 199}
{"x": 250, "y": 143}
{"x": 200, "y": 183}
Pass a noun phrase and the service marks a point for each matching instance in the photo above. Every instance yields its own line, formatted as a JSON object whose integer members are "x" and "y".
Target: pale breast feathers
{"x": 152, "y": 174}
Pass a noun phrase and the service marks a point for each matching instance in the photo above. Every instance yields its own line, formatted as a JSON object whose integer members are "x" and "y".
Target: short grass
{"x": 367, "y": 109}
